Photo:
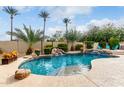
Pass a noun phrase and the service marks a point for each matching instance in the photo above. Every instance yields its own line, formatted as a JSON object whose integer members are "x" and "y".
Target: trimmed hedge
{"x": 48, "y": 46}
{"x": 78, "y": 46}
{"x": 48, "y": 49}
{"x": 89, "y": 44}
{"x": 63, "y": 47}
{"x": 113, "y": 42}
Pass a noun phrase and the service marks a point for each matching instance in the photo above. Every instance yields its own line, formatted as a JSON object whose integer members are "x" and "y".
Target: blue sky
{"x": 81, "y": 17}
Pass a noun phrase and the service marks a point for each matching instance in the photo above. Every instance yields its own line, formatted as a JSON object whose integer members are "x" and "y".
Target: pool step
{"x": 71, "y": 70}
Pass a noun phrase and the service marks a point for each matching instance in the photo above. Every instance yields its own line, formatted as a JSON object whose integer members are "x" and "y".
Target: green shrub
{"x": 48, "y": 46}
{"x": 102, "y": 44}
{"x": 113, "y": 42}
{"x": 89, "y": 44}
{"x": 78, "y": 46}
{"x": 63, "y": 47}
{"x": 47, "y": 50}
{"x": 37, "y": 52}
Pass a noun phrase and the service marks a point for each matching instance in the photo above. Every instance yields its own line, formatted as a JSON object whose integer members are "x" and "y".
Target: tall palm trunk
{"x": 52, "y": 43}
{"x": 11, "y": 27}
{"x": 66, "y": 36}
{"x": 42, "y": 41}
{"x": 66, "y": 28}
{"x": 72, "y": 47}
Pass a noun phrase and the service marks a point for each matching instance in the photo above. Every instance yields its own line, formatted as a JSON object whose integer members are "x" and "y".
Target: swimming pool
{"x": 54, "y": 65}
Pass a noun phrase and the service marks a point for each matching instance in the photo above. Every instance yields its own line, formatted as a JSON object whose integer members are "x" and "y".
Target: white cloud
{"x": 82, "y": 28}
{"x": 119, "y": 23}
{"x": 99, "y": 22}
{"x": 21, "y": 8}
{"x": 0, "y": 22}
{"x": 70, "y": 12}
{"x": 102, "y": 22}
{"x": 4, "y": 36}
{"x": 51, "y": 30}
{"x": 24, "y": 8}
{"x": 57, "y": 13}
{"x": 85, "y": 27}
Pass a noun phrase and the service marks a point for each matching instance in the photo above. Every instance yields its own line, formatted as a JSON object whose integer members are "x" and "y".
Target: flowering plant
{"x": 14, "y": 53}
{"x": 10, "y": 55}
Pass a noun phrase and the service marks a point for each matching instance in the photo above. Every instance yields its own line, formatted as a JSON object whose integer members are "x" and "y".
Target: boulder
{"x": 34, "y": 55}
{"x": 98, "y": 51}
{"x": 107, "y": 51}
{"x": 88, "y": 50}
{"x": 22, "y": 73}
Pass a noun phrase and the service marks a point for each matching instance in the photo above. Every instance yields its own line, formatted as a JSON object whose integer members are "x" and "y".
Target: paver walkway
{"x": 104, "y": 72}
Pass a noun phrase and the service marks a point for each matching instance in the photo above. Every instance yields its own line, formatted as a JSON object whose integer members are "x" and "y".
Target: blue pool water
{"x": 52, "y": 65}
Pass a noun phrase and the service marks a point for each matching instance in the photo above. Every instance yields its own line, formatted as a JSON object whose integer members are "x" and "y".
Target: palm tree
{"x": 44, "y": 15}
{"x": 72, "y": 36}
{"x": 66, "y": 21}
{"x": 12, "y": 12}
{"x": 28, "y": 35}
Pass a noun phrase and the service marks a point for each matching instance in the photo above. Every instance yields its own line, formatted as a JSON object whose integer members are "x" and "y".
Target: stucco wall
{"x": 13, "y": 45}
{"x": 21, "y": 46}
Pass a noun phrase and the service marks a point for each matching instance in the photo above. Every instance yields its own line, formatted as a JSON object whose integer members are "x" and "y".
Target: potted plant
{"x": 37, "y": 52}
{"x": 102, "y": 44}
{"x": 9, "y": 57}
{"x": 6, "y": 58}
{"x": 29, "y": 51}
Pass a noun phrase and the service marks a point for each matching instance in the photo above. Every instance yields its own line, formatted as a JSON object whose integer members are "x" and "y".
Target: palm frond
{"x": 44, "y": 15}
{"x": 66, "y": 20}
{"x": 27, "y": 34}
{"x": 10, "y": 10}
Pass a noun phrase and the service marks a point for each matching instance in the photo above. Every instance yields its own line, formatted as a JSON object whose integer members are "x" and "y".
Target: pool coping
{"x": 74, "y": 52}
{"x": 50, "y": 81}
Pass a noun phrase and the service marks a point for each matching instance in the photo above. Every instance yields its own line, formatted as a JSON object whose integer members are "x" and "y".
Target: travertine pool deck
{"x": 105, "y": 72}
